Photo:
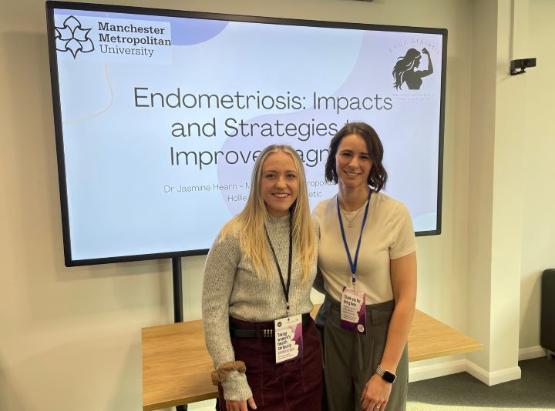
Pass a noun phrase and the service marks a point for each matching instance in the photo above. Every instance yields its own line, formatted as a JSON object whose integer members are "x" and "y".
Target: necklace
{"x": 351, "y": 221}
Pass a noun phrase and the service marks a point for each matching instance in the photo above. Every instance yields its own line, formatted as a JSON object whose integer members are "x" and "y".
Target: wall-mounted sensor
{"x": 519, "y": 66}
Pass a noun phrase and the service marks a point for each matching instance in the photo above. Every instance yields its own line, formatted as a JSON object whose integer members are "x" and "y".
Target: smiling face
{"x": 279, "y": 184}
{"x": 352, "y": 162}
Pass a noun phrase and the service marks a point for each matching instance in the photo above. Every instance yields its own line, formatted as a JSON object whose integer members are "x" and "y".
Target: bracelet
{"x": 220, "y": 374}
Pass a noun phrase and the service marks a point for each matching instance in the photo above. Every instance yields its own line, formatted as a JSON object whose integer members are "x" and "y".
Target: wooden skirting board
{"x": 177, "y": 367}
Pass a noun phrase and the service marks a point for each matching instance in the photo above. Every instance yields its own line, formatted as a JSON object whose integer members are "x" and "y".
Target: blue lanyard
{"x": 353, "y": 264}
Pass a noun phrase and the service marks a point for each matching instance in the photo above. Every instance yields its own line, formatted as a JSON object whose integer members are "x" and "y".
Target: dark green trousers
{"x": 351, "y": 358}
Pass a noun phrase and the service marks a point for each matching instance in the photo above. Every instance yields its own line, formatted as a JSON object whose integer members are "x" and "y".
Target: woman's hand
{"x": 240, "y": 405}
{"x": 376, "y": 394}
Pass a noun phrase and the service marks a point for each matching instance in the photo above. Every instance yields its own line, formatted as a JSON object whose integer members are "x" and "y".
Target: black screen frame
{"x": 51, "y": 5}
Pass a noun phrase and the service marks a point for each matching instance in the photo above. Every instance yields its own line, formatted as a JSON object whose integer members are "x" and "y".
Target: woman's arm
{"x": 403, "y": 283}
{"x": 430, "y": 68}
{"x": 219, "y": 277}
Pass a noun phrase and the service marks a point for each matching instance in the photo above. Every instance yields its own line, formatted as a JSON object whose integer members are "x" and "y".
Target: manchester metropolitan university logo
{"x": 73, "y": 38}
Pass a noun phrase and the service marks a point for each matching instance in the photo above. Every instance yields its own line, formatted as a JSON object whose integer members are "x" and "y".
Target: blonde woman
{"x": 256, "y": 295}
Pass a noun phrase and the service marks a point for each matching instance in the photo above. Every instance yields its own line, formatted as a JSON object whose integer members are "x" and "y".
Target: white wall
{"x": 538, "y": 169}
{"x": 481, "y": 172}
{"x": 70, "y": 337}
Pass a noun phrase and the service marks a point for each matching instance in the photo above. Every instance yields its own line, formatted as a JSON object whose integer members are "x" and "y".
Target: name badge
{"x": 288, "y": 338}
{"x": 353, "y": 310}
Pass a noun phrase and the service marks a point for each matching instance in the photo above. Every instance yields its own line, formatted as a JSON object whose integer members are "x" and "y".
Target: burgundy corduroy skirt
{"x": 295, "y": 385}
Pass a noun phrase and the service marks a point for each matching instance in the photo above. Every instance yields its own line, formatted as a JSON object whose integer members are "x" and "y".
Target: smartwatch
{"x": 386, "y": 375}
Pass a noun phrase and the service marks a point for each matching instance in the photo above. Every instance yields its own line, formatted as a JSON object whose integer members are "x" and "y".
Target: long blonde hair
{"x": 248, "y": 225}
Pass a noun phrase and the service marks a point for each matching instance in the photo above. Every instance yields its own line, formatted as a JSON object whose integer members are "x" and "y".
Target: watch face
{"x": 389, "y": 377}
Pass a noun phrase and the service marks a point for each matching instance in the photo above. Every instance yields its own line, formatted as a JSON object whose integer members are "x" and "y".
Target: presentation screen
{"x": 161, "y": 114}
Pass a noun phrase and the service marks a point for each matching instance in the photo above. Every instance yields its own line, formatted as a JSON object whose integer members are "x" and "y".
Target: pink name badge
{"x": 288, "y": 338}
{"x": 353, "y": 310}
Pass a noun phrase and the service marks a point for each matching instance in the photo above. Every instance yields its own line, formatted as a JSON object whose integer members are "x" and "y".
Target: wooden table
{"x": 177, "y": 367}
{"x": 430, "y": 338}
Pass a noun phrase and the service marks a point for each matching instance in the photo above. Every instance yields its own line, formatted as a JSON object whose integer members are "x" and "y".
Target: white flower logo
{"x": 71, "y": 37}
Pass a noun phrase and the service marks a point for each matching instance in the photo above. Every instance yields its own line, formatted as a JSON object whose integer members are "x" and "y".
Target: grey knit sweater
{"x": 232, "y": 288}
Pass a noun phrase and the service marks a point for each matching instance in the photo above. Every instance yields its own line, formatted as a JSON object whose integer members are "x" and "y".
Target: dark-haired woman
{"x": 367, "y": 261}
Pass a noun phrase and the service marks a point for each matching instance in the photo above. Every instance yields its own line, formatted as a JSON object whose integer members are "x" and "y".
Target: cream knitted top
{"x": 232, "y": 288}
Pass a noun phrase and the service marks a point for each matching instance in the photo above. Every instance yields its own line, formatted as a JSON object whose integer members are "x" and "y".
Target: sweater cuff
{"x": 236, "y": 387}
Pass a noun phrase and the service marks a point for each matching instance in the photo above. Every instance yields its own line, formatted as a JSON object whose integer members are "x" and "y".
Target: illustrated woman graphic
{"x": 406, "y": 69}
